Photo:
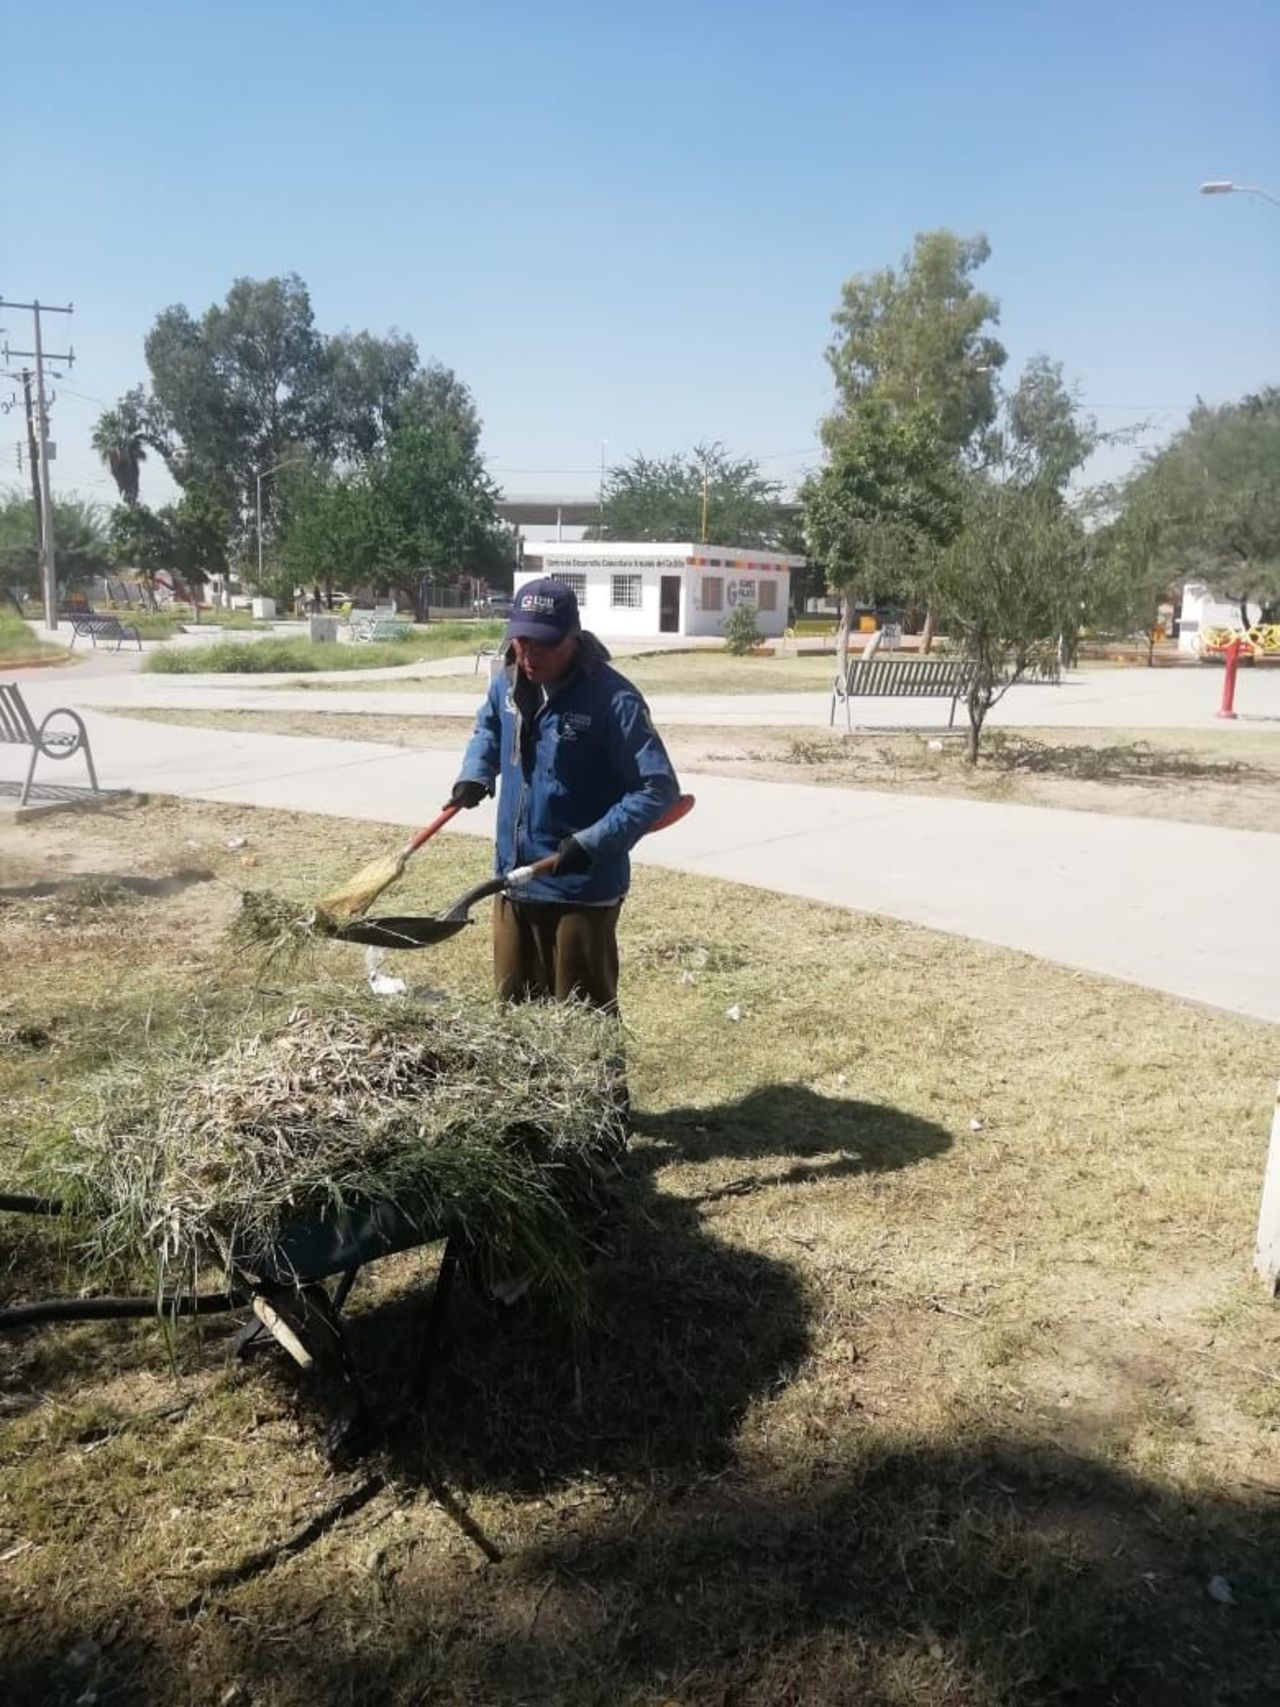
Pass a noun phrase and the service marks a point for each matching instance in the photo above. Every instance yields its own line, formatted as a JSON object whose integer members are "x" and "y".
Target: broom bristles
{"x": 361, "y": 891}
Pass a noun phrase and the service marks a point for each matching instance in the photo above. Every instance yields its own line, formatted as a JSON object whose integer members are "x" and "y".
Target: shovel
{"x": 411, "y": 932}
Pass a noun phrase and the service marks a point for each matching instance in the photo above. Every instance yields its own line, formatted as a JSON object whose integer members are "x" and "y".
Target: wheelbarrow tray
{"x": 338, "y": 1240}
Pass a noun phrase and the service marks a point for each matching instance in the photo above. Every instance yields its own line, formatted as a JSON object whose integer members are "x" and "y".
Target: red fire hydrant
{"x": 1232, "y": 656}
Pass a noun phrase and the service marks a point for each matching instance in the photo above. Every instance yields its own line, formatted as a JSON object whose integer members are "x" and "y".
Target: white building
{"x": 1203, "y": 609}
{"x": 628, "y": 592}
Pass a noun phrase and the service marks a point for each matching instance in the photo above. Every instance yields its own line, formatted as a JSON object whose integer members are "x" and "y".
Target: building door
{"x": 669, "y": 605}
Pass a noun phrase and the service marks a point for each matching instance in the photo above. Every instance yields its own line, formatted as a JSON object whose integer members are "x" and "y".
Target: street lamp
{"x": 259, "y": 474}
{"x": 1224, "y": 187}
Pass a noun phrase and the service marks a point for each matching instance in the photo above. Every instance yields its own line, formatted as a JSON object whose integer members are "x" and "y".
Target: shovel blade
{"x": 406, "y": 932}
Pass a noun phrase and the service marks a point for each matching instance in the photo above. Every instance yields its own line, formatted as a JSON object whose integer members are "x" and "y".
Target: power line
{"x": 48, "y": 550}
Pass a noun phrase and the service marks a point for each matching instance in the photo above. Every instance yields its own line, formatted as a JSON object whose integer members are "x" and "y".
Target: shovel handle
{"x": 429, "y": 830}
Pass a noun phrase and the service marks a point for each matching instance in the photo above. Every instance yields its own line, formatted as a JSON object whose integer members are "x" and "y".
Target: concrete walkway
{"x": 1139, "y": 899}
{"x": 1117, "y": 698}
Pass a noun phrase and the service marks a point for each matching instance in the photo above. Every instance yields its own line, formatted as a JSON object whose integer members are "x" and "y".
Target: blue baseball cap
{"x": 544, "y": 610}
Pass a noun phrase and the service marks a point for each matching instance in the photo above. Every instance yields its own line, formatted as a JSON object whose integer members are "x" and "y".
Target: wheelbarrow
{"x": 289, "y": 1297}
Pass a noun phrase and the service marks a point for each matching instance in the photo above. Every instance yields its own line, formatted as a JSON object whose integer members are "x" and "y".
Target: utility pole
{"x": 48, "y": 548}
{"x": 33, "y": 457}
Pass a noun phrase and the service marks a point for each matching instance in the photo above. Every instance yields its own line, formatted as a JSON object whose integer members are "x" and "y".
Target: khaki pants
{"x": 545, "y": 951}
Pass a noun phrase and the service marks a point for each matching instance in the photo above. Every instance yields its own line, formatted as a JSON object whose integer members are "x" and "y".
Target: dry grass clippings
{"x": 922, "y": 1365}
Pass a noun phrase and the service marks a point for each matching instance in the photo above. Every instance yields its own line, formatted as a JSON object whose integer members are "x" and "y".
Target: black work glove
{"x": 572, "y": 858}
{"x": 466, "y": 793}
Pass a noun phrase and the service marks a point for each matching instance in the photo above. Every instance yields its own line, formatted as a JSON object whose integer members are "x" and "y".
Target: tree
{"x": 80, "y": 531}
{"x": 1130, "y": 569}
{"x": 420, "y": 506}
{"x": 1007, "y": 587}
{"x": 1011, "y": 585}
{"x": 141, "y": 539}
{"x": 325, "y": 534}
{"x": 889, "y": 489}
{"x": 917, "y": 337}
{"x": 706, "y": 494}
{"x": 1218, "y": 484}
{"x": 120, "y": 439}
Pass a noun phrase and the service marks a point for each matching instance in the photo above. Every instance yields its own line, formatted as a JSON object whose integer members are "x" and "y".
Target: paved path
{"x": 1153, "y": 902}
{"x": 1120, "y": 698}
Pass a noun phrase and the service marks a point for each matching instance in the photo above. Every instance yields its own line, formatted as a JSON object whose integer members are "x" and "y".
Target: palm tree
{"x": 120, "y": 440}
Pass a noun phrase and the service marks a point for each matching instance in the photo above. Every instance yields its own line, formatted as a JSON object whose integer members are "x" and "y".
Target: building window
{"x": 713, "y": 592}
{"x": 767, "y": 595}
{"x": 626, "y": 592}
{"x": 577, "y": 584}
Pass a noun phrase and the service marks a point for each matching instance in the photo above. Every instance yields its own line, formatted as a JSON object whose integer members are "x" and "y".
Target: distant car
{"x": 497, "y": 604}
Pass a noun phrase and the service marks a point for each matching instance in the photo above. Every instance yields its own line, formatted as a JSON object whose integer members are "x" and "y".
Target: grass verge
{"x": 1227, "y": 779}
{"x": 284, "y": 655}
{"x": 696, "y": 672}
{"x": 924, "y": 1366}
{"x": 19, "y": 646}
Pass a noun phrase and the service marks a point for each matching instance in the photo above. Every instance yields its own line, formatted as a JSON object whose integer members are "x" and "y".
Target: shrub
{"x": 740, "y": 632}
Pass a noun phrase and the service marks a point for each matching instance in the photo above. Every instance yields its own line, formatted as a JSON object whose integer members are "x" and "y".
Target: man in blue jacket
{"x": 583, "y": 774}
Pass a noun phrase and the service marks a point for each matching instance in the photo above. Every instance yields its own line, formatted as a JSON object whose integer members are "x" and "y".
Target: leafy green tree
{"x": 667, "y": 498}
{"x": 917, "y": 337}
{"x": 888, "y": 490}
{"x": 432, "y": 511}
{"x": 1218, "y": 485}
{"x": 1007, "y": 587}
{"x": 419, "y": 509}
{"x": 81, "y": 533}
{"x": 1013, "y": 583}
{"x": 120, "y": 438}
{"x": 140, "y": 539}
{"x": 326, "y": 533}
{"x": 1131, "y": 567}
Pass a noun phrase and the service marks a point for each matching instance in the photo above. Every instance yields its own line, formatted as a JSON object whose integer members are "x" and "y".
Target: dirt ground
{"x": 1194, "y": 776}
{"x": 924, "y": 1365}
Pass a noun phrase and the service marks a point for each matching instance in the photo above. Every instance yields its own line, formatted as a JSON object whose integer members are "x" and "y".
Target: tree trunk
{"x": 842, "y": 638}
{"x": 1244, "y": 615}
{"x": 928, "y": 631}
{"x": 978, "y": 705}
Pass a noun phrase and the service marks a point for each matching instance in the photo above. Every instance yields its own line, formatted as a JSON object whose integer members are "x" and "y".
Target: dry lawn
{"x": 925, "y": 1365}
{"x": 1230, "y": 779}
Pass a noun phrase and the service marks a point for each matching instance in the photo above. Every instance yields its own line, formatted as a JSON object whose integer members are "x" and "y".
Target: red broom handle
{"x": 429, "y": 830}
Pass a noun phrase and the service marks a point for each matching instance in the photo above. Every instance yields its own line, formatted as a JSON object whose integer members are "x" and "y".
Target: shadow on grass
{"x": 684, "y": 1330}
{"x": 90, "y": 889}
{"x": 995, "y": 1572}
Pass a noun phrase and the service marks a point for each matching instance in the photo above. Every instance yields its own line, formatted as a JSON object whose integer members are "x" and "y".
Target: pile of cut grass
{"x": 474, "y": 1121}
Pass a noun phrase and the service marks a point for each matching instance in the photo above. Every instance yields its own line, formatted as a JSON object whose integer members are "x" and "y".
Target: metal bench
{"x": 901, "y": 678}
{"x": 102, "y": 627}
{"x": 18, "y": 728}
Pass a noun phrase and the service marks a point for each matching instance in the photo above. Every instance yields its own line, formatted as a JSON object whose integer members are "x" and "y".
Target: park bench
{"x": 871, "y": 677}
{"x": 19, "y": 728}
{"x": 102, "y": 627}
{"x": 372, "y": 628}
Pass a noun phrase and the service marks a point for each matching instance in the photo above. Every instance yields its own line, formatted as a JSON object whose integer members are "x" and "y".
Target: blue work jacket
{"x": 580, "y": 760}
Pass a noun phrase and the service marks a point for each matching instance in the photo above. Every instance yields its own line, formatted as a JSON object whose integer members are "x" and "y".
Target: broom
{"x": 358, "y": 894}
{"x": 355, "y": 898}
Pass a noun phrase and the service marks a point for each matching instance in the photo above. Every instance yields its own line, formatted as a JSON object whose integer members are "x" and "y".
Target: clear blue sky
{"x": 632, "y": 224}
